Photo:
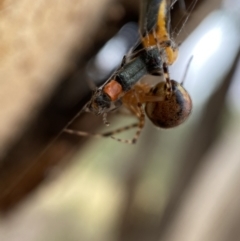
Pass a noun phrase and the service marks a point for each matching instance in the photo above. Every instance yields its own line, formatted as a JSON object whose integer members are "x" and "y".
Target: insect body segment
{"x": 155, "y": 28}
{"x": 154, "y": 59}
{"x": 108, "y": 97}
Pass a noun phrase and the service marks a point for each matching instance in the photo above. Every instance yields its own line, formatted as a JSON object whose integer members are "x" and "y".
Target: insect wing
{"x": 153, "y": 13}
{"x": 148, "y": 16}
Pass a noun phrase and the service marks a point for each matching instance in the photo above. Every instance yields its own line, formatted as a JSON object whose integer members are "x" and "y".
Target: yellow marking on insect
{"x": 159, "y": 35}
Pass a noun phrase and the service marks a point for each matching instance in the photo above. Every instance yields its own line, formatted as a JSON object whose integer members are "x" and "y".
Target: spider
{"x": 167, "y": 104}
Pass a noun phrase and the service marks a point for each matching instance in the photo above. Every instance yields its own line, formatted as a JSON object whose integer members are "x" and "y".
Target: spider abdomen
{"x": 173, "y": 110}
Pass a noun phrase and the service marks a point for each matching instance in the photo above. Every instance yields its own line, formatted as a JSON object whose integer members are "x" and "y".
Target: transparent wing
{"x": 148, "y": 19}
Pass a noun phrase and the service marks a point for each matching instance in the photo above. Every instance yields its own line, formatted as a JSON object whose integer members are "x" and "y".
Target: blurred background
{"x": 178, "y": 184}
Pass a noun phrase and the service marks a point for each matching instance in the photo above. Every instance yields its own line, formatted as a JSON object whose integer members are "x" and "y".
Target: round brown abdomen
{"x": 173, "y": 110}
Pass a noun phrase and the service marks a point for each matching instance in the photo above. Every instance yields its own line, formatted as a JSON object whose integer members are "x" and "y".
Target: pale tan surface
{"x": 36, "y": 40}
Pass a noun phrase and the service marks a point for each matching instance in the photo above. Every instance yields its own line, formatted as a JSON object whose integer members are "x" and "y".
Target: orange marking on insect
{"x": 161, "y": 31}
{"x": 161, "y": 35}
{"x": 172, "y": 55}
{"x": 113, "y": 89}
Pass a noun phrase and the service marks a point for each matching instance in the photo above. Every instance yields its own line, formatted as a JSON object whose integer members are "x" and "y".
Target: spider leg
{"x": 100, "y": 135}
{"x": 139, "y": 112}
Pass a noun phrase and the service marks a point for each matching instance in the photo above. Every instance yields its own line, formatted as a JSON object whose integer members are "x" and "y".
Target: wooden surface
{"x": 45, "y": 83}
{"x": 38, "y": 41}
